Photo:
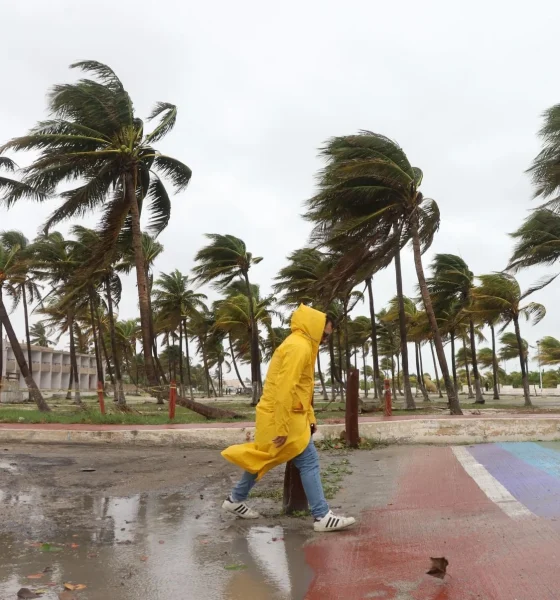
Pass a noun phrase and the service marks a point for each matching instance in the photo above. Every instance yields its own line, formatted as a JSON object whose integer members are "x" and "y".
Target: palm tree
{"x": 537, "y": 240}
{"x": 296, "y": 284}
{"x": 127, "y": 335}
{"x": 452, "y": 281}
{"x": 369, "y": 203}
{"x": 222, "y": 261}
{"x": 501, "y": 292}
{"x": 95, "y": 137}
{"x": 236, "y": 314}
{"x": 176, "y": 303}
{"x": 21, "y": 285}
{"x": 40, "y": 335}
{"x": 103, "y": 282}
{"x": 544, "y": 170}
{"x": 55, "y": 260}
{"x": 7, "y": 262}
{"x": 397, "y": 307}
{"x": 389, "y": 344}
{"x": 549, "y": 350}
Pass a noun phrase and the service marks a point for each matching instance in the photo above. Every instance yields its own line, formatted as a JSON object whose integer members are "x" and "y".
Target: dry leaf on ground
{"x": 438, "y": 568}
{"x": 35, "y": 576}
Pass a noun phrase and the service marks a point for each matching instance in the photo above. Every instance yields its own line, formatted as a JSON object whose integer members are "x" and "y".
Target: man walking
{"x": 286, "y": 421}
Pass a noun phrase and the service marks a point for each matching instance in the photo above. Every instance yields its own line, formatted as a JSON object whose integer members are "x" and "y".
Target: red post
{"x": 352, "y": 407}
{"x": 172, "y": 399}
{"x": 101, "y": 397}
{"x": 388, "y": 407}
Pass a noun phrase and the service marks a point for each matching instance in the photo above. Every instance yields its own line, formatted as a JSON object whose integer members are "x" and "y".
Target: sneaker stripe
{"x": 335, "y": 524}
{"x": 329, "y": 522}
{"x": 245, "y": 509}
{"x": 239, "y": 509}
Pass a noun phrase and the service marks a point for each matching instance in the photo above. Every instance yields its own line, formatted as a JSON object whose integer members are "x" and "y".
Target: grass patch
{"x": 276, "y": 494}
{"x": 333, "y": 475}
{"x": 94, "y": 417}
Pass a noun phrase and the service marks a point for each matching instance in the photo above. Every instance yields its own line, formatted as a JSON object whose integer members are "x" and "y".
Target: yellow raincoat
{"x": 285, "y": 408}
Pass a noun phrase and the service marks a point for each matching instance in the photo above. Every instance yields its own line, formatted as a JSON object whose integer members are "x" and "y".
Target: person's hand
{"x": 280, "y": 440}
{"x": 313, "y": 428}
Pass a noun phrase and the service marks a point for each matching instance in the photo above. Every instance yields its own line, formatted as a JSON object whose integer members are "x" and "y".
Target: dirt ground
{"x": 148, "y": 522}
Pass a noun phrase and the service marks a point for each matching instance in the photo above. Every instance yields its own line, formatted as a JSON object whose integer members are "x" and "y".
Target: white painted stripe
{"x": 490, "y": 485}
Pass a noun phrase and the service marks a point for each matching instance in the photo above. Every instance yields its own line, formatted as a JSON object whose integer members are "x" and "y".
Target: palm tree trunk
{"x": 74, "y": 361}
{"x": 255, "y": 354}
{"x": 334, "y": 374}
{"x": 119, "y": 392}
{"x": 409, "y": 400}
{"x": 494, "y": 364}
{"x": 420, "y": 374}
{"x": 98, "y": 362}
{"x": 377, "y": 383}
{"x": 524, "y": 375}
{"x": 427, "y": 397}
{"x": 454, "y": 363}
{"x": 365, "y": 374}
{"x": 436, "y": 369}
{"x": 340, "y": 366}
{"x": 106, "y": 356}
{"x": 455, "y": 409}
{"x": 188, "y": 359}
{"x": 321, "y": 378}
{"x": 34, "y": 392}
{"x": 236, "y": 368}
{"x": 181, "y": 376}
{"x": 70, "y": 384}
{"x": 477, "y": 386}
{"x": 467, "y": 370}
{"x": 159, "y": 367}
{"x": 393, "y": 378}
{"x": 143, "y": 300}
{"x": 27, "y": 336}
{"x": 398, "y": 373}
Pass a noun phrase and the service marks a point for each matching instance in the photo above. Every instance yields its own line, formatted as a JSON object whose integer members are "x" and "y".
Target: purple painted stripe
{"x": 534, "y": 488}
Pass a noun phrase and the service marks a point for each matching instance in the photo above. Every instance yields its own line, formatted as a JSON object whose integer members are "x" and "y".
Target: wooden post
{"x": 352, "y": 403}
{"x": 388, "y": 411}
{"x": 172, "y": 399}
{"x": 295, "y": 499}
{"x": 100, "y": 396}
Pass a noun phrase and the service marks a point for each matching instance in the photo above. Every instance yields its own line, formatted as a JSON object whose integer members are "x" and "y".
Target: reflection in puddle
{"x": 146, "y": 546}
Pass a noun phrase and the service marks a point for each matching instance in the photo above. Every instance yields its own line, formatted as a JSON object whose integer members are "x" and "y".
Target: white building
{"x": 50, "y": 367}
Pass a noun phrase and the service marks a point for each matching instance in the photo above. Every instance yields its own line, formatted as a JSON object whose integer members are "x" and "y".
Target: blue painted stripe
{"x": 545, "y": 459}
{"x": 536, "y": 489}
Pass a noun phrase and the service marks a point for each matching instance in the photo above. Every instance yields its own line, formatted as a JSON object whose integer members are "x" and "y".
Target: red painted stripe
{"x": 438, "y": 510}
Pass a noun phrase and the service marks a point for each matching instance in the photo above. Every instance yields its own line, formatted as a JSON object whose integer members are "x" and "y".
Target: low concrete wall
{"x": 415, "y": 431}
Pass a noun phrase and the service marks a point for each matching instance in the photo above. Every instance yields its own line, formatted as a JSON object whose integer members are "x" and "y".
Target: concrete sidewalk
{"x": 408, "y": 429}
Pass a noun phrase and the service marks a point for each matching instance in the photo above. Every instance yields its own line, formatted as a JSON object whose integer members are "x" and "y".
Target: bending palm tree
{"x": 95, "y": 137}
{"x": 453, "y": 281}
{"x": 370, "y": 204}
{"x": 40, "y": 335}
{"x": 549, "y": 350}
{"x": 7, "y": 260}
{"x": 176, "y": 303}
{"x": 222, "y": 261}
{"x": 501, "y": 292}
{"x": 22, "y": 286}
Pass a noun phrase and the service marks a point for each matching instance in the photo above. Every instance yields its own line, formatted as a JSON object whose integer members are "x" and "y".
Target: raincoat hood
{"x": 310, "y": 322}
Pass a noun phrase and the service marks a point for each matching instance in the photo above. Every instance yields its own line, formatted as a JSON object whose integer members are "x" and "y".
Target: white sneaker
{"x": 330, "y": 522}
{"x": 240, "y": 509}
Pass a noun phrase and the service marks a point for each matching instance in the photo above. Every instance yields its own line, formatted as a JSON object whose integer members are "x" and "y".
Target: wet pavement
{"x": 145, "y": 524}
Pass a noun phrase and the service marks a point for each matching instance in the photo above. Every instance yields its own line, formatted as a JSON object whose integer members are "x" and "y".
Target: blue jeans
{"x": 307, "y": 464}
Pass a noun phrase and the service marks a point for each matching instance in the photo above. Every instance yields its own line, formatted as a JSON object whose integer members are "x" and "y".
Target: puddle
{"x": 148, "y": 546}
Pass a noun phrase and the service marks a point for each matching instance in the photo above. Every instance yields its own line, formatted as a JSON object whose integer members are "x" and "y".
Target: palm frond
{"x": 168, "y": 114}
{"x": 177, "y": 171}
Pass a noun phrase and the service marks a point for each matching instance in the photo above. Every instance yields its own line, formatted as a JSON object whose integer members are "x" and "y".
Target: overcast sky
{"x": 260, "y": 86}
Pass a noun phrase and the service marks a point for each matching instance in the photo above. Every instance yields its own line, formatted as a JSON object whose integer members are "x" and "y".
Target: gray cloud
{"x": 260, "y": 87}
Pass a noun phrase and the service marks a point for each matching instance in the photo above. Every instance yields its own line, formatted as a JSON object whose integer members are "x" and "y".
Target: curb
{"x": 418, "y": 431}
